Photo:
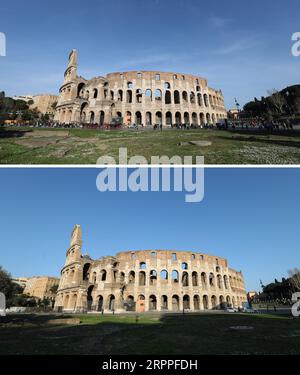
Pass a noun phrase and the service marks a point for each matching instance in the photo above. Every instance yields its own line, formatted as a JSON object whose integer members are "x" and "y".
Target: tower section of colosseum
{"x": 138, "y": 97}
{"x": 151, "y": 280}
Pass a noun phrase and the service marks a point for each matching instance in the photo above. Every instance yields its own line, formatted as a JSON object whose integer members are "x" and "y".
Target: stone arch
{"x": 228, "y": 301}
{"x": 222, "y": 302}
{"x": 219, "y": 280}
{"x": 138, "y": 118}
{"x": 95, "y": 94}
{"x": 175, "y": 277}
{"x": 102, "y": 117}
{"x": 168, "y": 98}
{"x": 120, "y": 95}
{"x": 178, "y": 118}
{"x": 152, "y": 303}
{"x": 194, "y": 119}
{"x": 195, "y": 278}
{"x": 66, "y": 301}
{"x": 184, "y": 266}
{"x": 205, "y": 97}
{"x": 143, "y": 266}
{"x": 202, "y": 119}
{"x": 213, "y": 117}
{"x": 139, "y": 96}
{"x": 111, "y": 302}
{"x": 158, "y": 95}
{"x": 196, "y": 301}
{"x": 176, "y": 97}
{"x": 86, "y": 272}
{"x": 103, "y": 275}
{"x": 200, "y": 99}
{"x": 148, "y": 95}
{"x": 192, "y": 98}
{"x": 203, "y": 280}
{"x": 213, "y": 302}
{"x": 164, "y": 275}
{"x": 92, "y": 117}
{"x": 167, "y": 85}
{"x": 211, "y": 279}
{"x": 90, "y": 298}
{"x": 169, "y": 118}
{"x": 140, "y": 305}
{"x": 205, "y": 302}
{"x": 80, "y": 89}
{"x": 148, "y": 118}
{"x": 153, "y": 277}
{"x": 185, "y": 97}
{"x": 185, "y": 279}
{"x": 129, "y": 96}
{"x": 186, "y": 118}
{"x": 73, "y": 302}
{"x": 158, "y": 118}
{"x": 175, "y": 303}
{"x": 100, "y": 304}
{"x": 142, "y": 278}
{"x": 186, "y": 302}
{"x": 131, "y": 277}
{"x": 164, "y": 302}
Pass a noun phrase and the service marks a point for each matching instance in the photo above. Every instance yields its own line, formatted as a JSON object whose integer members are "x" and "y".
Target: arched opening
{"x": 185, "y": 279}
{"x": 100, "y": 303}
{"x": 129, "y": 96}
{"x": 152, "y": 303}
{"x": 185, "y": 97}
{"x": 120, "y": 95}
{"x": 175, "y": 303}
{"x": 195, "y": 278}
{"x": 92, "y": 117}
{"x": 178, "y": 118}
{"x": 168, "y": 118}
{"x": 167, "y": 85}
{"x": 164, "y": 276}
{"x": 176, "y": 97}
{"x": 208, "y": 121}
{"x": 200, "y": 100}
{"x": 140, "y": 307}
{"x": 101, "y": 119}
{"x": 222, "y": 304}
{"x": 186, "y": 118}
{"x": 142, "y": 278}
{"x": 164, "y": 302}
{"x": 184, "y": 266}
{"x": 202, "y": 119}
{"x": 73, "y": 302}
{"x": 131, "y": 277}
{"x": 95, "y": 94}
{"x": 94, "y": 278}
{"x": 111, "y": 304}
{"x": 211, "y": 280}
{"x": 138, "y": 118}
{"x": 186, "y": 302}
{"x": 219, "y": 278}
{"x": 112, "y": 95}
{"x": 128, "y": 118}
{"x": 168, "y": 99}
{"x": 129, "y": 85}
{"x": 83, "y": 112}
{"x": 213, "y": 118}
{"x": 203, "y": 280}
{"x": 158, "y": 118}
{"x": 205, "y": 302}
{"x": 148, "y": 118}
{"x": 80, "y": 90}
{"x": 196, "y": 302}
{"x": 130, "y": 304}
{"x": 175, "y": 277}
{"x": 86, "y": 272}
{"x": 228, "y": 302}
{"x": 192, "y": 98}
{"x": 158, "y": 95}
{"x": 153, "y": 277}
{"x": 139, "y": 96}
{"x": 143, "y": 266}
{"x": 195, "y": 119}
{"x": 103, "y": 275}
{"x": 90, "y": 298}
{"x": 66, "y": 301}
{"x": 213, "y": 302}
{"x": 148, "y": 95}
{"x": 205, "y": 100}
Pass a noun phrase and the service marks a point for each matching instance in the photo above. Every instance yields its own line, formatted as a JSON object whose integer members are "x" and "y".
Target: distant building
{"x": 233, "y": 114}
{"x": 44, "y": 103}
{"x": 39, "y": 286}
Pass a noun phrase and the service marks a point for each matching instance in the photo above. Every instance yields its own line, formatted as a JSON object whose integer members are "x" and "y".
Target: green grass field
{"x": 86, "y": 146}
{"x": 153, "y": 334}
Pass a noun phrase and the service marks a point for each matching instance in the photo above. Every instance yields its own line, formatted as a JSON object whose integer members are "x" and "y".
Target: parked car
{"x": 231, "y": 310}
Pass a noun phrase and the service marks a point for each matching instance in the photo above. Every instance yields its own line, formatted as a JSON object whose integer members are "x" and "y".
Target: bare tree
{"x": 277, "y": 100}
{"x": 295, "y": 278}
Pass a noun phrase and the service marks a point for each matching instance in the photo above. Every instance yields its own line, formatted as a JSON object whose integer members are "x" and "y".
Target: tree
{"x": 277, "y": 100}
{"x": 295, "y": 278}
{"x": 53, "y": 289}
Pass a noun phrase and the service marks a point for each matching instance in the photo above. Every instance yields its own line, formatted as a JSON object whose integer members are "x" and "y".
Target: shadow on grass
{"x": 152, "y": 334}
{"x": 6, "y": 133}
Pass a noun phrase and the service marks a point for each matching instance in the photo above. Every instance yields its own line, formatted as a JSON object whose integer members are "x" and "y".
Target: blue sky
{"x": 242, "y": 47}
{"x": 249, "y": 216}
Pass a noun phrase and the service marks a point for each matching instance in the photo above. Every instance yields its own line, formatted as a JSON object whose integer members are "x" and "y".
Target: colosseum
{"x": 138, "y": 97}
{"x": 145, "y": 281}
